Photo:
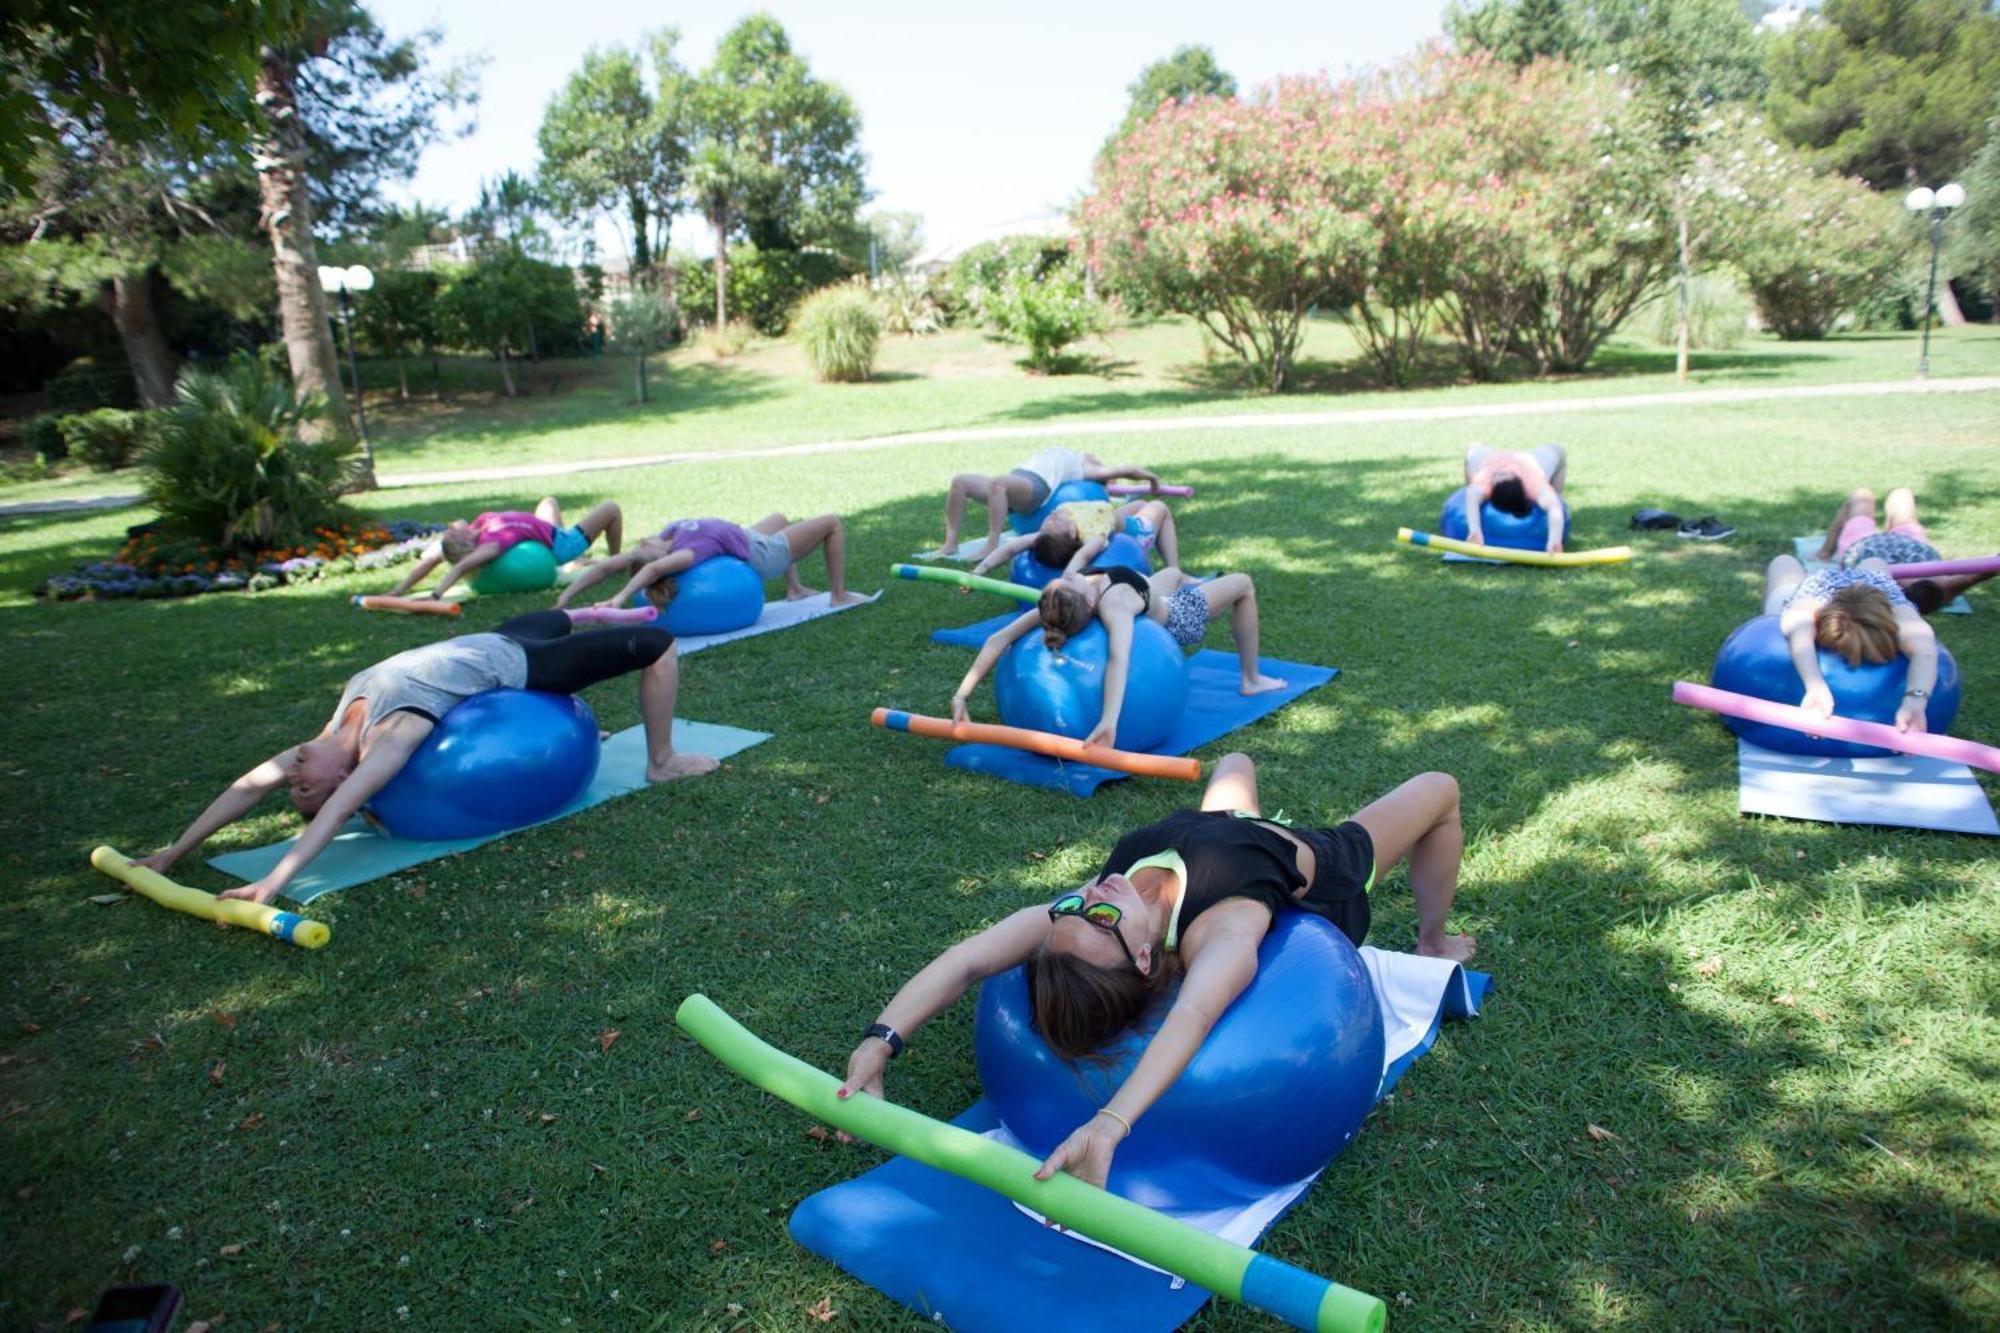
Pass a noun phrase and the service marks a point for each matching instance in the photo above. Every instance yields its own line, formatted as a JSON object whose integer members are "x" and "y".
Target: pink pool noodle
{"x": 614, "y": 615}
{"x": 1980, "y": 564}
{"x": 1951, "y": 749}
{"x": 1141, "y": 488}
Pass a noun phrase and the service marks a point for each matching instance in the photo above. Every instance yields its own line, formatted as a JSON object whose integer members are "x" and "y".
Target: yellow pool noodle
{"x": 278, "y": 924}
{"x": 1603, "y": 555}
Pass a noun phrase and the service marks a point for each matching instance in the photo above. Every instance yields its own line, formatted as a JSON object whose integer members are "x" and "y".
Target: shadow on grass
{"x": 486, "y": 1052}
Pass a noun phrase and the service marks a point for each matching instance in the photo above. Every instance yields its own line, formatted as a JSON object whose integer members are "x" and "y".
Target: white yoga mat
{"x": 1896, "y": 791}
{"x": 777, "y": 615}
{"x": 966, "y": 553}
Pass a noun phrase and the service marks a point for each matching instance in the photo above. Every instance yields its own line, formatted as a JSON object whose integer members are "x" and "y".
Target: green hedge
{"x": 764, "y": 286}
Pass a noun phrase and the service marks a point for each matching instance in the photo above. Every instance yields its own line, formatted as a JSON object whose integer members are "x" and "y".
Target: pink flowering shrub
{"x": 1521, "y": 211}
{"x": 1243, "y": 214}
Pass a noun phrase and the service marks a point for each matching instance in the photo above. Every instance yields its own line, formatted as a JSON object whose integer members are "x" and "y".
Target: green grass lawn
{"x": 1790, "y": 1031}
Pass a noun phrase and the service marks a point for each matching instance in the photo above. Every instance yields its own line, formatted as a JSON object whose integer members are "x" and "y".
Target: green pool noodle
{"x": 935, "y": 574}
{"x": 1225, "y": 1268}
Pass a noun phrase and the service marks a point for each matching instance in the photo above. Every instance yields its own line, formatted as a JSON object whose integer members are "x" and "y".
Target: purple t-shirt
{"x": 707, "y": 538}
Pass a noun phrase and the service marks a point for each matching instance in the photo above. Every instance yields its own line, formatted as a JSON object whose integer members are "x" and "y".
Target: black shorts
{"x": 1344, "y": 858}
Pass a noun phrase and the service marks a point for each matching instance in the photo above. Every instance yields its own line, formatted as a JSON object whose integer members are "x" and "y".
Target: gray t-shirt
{"x": 432, "y": 680}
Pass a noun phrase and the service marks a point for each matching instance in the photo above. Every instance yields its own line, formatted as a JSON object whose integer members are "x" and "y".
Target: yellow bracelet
{"x": 1105, "y": 1110}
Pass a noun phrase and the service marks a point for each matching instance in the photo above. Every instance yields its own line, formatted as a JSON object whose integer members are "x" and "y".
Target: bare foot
{"x": 851, "y": 598}
{"x": 1458, "y": 948}
{"x": 680, "y": 766}
{"x": 1262, "y": 684}
{"x": 949, "y": 548}
{"x": 800, "y": 593}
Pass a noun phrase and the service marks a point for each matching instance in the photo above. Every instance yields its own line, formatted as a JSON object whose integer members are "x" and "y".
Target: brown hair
{"x": 458, "y": 543}
{"x": 1054, "y": 549}
{"x": 1065, "y": 614}
{"x": 1925, "y": 595}
{"x": 660, "y": 592}
{"x": 1858, "y": 623}
{"x": 1510, "y": 495}
{"x": 1078, "y": 1007}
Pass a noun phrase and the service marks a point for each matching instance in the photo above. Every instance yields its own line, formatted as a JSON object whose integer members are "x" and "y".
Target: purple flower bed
{"x": 104, "y": 579}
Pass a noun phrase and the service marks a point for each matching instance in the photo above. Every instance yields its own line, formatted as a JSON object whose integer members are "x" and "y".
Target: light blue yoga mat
{"x": 1806, "y": 547}
{"x": 360, "y": 853}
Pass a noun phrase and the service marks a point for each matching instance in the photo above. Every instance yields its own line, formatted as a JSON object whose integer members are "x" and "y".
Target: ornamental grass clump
{"x": 839, "y": 328}
{"x": 230, "y": 466}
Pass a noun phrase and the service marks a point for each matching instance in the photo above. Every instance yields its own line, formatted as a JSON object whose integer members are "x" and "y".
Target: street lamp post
{"x": 341, "y": 281}
{"x": 1937, "y": 203}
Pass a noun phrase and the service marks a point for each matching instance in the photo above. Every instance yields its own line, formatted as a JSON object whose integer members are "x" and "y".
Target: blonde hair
{"x": 1065, "y": 614}
{"x": 1859, "y": 623}
{"x": 458, "y": 543}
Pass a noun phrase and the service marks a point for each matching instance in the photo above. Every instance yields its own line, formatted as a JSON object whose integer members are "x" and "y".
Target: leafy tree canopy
{"x": 1893, "y": 91}
{"x": 789, "y": 141}
{"x": 614, "y": 140}
{"x": 1708, "y": 47}
{"x": 1189, "y": 72}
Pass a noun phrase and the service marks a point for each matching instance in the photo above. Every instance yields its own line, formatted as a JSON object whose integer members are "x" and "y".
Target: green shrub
{"x": 908, "y": 307}
{"x": 1718, "y": 314}
{"x": 104, "y": 440}
{"x": 725, "y": 342}
{"x": 764, "y": 285}
{"x": 1045, "y": 314}
{"x": 979, "y": 277}
{"x": 85, "y": 384}
{"x": 839, "y": 327}
{"x": 43, "y": 435}
{"x": 228, "y": 465}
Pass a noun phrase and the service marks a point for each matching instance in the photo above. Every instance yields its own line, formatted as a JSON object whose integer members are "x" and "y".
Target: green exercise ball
{"x": 523, "y": 567}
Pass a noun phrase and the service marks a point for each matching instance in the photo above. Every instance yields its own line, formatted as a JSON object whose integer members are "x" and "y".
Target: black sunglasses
{"x": 1105, "y": 916}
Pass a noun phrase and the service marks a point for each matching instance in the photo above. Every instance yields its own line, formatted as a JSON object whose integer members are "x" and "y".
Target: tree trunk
{"x": 402, "y": 381}
{"x": 720, "y": 221}
{"x": 1948, "y": 313}
{"x": 506, "y": 371}
{"x": 1681, "y": 332}
{"x": 287, "y": 218}
{"x": 129, "y": 300}
{"x": 642, "y": 241}
{"x": 639, "y": 375}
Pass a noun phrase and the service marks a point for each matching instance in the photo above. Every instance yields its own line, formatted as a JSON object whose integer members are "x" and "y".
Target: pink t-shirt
{"x": 509, "y": 527}
{"x": 707, "y": 538}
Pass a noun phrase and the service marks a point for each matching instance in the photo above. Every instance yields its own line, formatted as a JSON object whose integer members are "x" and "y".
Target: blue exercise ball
{"x": 1529, "y": 532}
{"x": 718, "y": 595}
{"x": 1755, "y": 660}
{"x": 1063, "y": 692}
{"x": 1280, "y": 1086}
{"x": 500, "y": 760}
{"x": 1023, "y": 524}
{"x": 526, "y": 566}
{"x": 1120, "y": 551}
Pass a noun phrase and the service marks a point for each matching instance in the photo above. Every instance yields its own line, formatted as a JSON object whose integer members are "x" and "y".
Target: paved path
{"x": 1139, "y": 426}
{"x": 68, "y": 506}
{"x": 1238, "y": 421}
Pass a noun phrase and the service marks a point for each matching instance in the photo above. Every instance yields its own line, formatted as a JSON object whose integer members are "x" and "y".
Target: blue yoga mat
{"x": 1214, "y": 709}
{"x": 962, "y": 1255}
{"x": 360, "y": 852}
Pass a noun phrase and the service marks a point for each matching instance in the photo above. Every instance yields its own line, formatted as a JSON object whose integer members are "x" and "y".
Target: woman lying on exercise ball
{"x": 772, "y": 546}
{"x": 1190, "y": 897}
{"x": 1076, "y": 533}
{"x": 386, "y": 711}
{"x": 1118, "y": 597}
{"x": 1861, "y": 614}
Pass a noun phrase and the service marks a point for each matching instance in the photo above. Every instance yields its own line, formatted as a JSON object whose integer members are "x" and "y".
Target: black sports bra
{"x": 1133, "y": 579}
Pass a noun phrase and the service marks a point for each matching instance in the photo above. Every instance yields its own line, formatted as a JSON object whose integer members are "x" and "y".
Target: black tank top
{"x": 1133, "y": 579}
{"x": 1225, "y": 855}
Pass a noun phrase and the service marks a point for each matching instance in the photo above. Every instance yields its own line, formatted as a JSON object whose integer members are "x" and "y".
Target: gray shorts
{"x": 770, "y": 553}
{"x": 1038, "y": 488}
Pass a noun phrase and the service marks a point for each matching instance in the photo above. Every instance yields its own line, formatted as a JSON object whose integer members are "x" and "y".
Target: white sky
{"x": 972, "y": 115}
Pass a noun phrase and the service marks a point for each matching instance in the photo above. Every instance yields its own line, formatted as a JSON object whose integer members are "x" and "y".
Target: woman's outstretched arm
{"x": 1008, "y": 943}
{"x": 989, "y": 653}
{"x": 236, "y": 800}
